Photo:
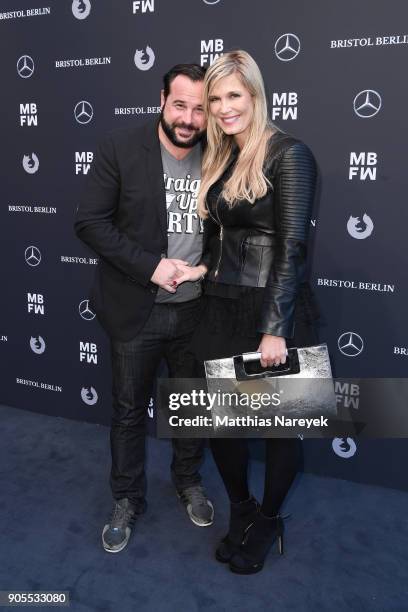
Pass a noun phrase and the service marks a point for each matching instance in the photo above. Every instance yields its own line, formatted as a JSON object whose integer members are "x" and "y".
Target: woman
{"x": 256, "y": 198}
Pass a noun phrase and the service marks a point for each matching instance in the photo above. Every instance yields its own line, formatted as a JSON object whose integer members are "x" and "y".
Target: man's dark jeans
{"x": 166, "y": 334}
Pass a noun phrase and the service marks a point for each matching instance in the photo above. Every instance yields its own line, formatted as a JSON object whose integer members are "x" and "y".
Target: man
{"x": 137, "y": 173}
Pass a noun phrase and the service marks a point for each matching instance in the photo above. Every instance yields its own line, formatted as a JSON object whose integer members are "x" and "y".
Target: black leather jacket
{"x": 264, "y": 244}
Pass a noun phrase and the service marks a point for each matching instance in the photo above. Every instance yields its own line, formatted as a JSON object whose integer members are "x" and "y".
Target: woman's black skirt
{"x": 229, "y": 318}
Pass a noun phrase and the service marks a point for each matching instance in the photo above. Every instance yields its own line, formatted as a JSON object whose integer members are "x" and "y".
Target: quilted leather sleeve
{"x": 294, "y": 186}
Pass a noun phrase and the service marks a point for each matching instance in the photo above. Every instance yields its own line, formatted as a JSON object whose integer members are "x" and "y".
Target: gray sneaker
{"x": 198, "y": 506}
{"x": 116, "y": 533}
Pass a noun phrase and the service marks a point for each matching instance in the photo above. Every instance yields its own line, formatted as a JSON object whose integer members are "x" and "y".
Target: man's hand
{"x": 166, "y": 273}
{"x": 190, "y": 273}
{"x": 273, "y": 349}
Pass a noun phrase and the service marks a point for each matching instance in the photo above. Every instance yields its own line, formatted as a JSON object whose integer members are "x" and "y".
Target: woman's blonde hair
{"x": 248, "y": 180}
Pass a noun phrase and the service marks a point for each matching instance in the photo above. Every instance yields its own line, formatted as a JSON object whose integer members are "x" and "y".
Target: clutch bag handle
{"x": 242, "y": 371}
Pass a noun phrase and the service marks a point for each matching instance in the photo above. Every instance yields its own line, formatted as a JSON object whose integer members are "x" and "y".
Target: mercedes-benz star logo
{"x": 358, "y": 228}
{"x": 37, "y": 344}
{"x": 144, "y": 59}
{"x": 350, "y": 344}
{"x": 25, "y": 66}
{"x": 287, "y": 47}
{"x": 81, "y": 8}
{"x": 211, "y": 1}
{"x": 32, "y": 256}
{"x": 85, "y": 312}
{"x": 31, "y": 163}
{"x": 89, "y": 395}
{"x": 367, "y": 103}
{"x": 83, "y": 112}
{"x": 344, "y": 447}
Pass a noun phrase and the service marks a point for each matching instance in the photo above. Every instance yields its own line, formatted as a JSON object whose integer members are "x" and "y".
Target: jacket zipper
{"x": 217, "y": 220}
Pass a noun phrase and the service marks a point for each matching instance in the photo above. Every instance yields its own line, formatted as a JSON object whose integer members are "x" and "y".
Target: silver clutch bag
{"x": 301, "y": 388}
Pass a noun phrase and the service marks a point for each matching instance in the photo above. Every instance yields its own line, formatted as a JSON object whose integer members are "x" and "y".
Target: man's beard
{"x": 170, "y": 131}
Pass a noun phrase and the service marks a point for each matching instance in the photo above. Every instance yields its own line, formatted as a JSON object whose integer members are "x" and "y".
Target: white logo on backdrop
{"x": 360, "y": 229}
{"x": 81, "y": 8}
{"x": 37, "y": 345}
{"x": 25, "y": 66}
{"x": 344, "y": 447}
{"x": 144, "y": 59}
{"x": 350, "y": 344}
{"x": 32, "y": 256}
{"x": 367, "y": 103}
{"x": 31, "y": 163}
{"x": 89, "y": 395}
{"x": 211, "y": 1}
{"x": 83, "y": 112}
{"x": 85, "y": 312}
{"x": 287, "y": 47}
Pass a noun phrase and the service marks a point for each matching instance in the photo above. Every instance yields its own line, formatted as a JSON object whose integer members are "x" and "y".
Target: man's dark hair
{"x": 192, "y": 71}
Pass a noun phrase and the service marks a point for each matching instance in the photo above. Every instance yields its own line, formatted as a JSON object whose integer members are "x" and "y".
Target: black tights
{"x": 281, "y": 461}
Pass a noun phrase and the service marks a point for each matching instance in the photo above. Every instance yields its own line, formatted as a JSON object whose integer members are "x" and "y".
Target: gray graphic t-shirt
{"x": 182, "y": 180}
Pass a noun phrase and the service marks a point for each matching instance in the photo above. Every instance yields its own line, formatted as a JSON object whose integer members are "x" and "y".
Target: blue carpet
{"x": 345, "y": 549}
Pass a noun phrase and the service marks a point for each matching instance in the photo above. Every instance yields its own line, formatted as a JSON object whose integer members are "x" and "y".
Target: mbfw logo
{"x": 347, "y": 394}
{"x": 144, "y": 58}
{"x": 83, "y": 160}
{"x": 31, "y": 163}
{"x": 37, "y": 345}
{"x": 35, "y": 303}
{"x": 211, "y": 50}
{"x": 83, "y": 112}
{"x": 363, "y": 166}
{"x": 287, "y": 47}
{"x": 85, "y": 312}
{"x": 89, "y": 395}
{"x": 284, "y": 105}
{"x": 81, "y": 8}
{"x": 88, "y": 352}
{"x": 28, "y": 114}
{"x": 25, "y": 66}
{"x": 367, "y": 103}
{"x": 32, "y": 256}
{"x": 344, "y": 447}
{"x": 360, "y": 229}
{"x": 350, "y": 344}
{"x": 142, "y": 6}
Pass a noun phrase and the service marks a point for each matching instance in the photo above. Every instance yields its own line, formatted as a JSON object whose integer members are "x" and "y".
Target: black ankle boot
{"x": 256, "y": 544}
{"x": 242, "y": 514}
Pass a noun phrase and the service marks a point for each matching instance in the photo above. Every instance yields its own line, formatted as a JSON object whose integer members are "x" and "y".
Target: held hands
{"x": 273, "y": 349}
{"x": 170, "y": 273}
{"x": 166, "y": 273}
{"x": 190, "y": 273}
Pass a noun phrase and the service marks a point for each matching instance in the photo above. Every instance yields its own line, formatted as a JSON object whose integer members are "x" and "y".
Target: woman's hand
{"x": 189, "y": 273}
{"x": 273, "y": 349}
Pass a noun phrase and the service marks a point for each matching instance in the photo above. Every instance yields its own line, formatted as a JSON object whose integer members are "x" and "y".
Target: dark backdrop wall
{"x": 335, "y": 76}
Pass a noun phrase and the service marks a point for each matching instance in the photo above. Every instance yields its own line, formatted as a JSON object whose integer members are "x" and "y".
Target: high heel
{"x": 242, "y": 514}
{"x": 256, "y": 544}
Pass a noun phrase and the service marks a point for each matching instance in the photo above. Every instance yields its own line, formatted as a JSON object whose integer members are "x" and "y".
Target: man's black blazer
{"x": 122, "y": 217}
